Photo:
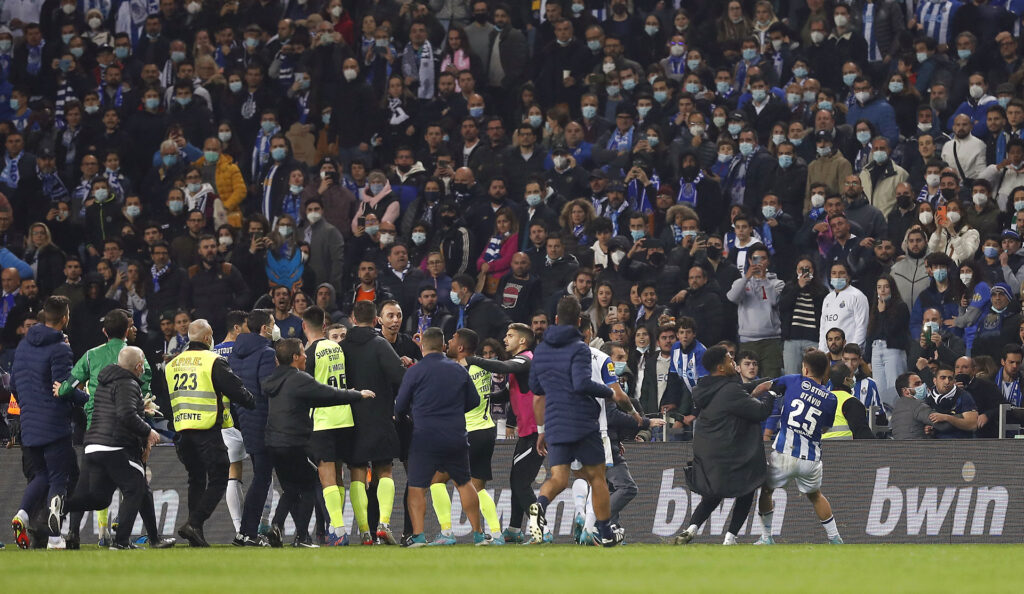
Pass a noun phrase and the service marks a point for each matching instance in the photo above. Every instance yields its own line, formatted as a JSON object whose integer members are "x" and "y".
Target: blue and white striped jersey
{"x": 806, "y": 409}
{"x": 866, "y": 390}
{"x": 936, "y": 16}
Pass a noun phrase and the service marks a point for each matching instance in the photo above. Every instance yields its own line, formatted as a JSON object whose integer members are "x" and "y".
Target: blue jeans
{"x": 793, "y": 354}
{"x": 886, "y": 365}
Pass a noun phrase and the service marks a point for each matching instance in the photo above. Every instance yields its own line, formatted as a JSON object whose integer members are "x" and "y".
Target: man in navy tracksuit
{"x": 564, "y": 402}
{"x": 438, "y": 393}
{"x": 42, "y": 358}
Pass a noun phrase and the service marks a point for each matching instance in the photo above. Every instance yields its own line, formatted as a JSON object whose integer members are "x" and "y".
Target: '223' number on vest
{"x": 185, "y": 381}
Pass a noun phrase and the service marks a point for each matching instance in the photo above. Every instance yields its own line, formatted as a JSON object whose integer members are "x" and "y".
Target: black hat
{"x": 615, "y": 186}
{"x": 598, "y": 174}
{"x": 46, "y": 153}
{"x": 737, "y": 115}
{"x": 626, "y": 110}
{"x": 823, "y": 135}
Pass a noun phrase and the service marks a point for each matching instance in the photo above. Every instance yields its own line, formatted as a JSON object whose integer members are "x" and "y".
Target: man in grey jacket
{"x": 910, "y": 412}
{"x": 756, "y": 294}
{"x": 326, "y": 245}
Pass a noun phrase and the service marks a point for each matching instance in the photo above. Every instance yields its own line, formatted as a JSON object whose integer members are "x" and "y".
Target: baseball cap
{"x": 1010, "y": 234}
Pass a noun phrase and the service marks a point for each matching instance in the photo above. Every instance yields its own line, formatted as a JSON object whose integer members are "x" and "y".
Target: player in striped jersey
{"x": 235, "y": 321}
{"x": 865, "y": 388}
{"x": 806, "y": 408}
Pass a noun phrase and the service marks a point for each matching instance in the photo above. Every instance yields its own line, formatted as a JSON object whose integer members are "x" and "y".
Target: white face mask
{"x": 225, "y": 240}
{"x": 313, "y": 217}
{"x": 932, "y": 179}
{"x": 350, "y": 74}
{"x": 979, "y": 199}
{"x": 817, "y": 200}
{"x": 953, "y": 216}
{"x": 926, "y": 217}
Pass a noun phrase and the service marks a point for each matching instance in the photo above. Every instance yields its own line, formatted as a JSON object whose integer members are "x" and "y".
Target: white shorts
{"x": 784, "y": 468}
{"x": 233, "y": 441}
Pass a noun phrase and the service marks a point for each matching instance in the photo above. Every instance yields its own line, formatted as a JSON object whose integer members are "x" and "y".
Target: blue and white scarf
{"x": 688, "y": 190}
{"x": 620, "y": 141}
{"x": 493, "y": 251}
{"x": 10, "y": 175}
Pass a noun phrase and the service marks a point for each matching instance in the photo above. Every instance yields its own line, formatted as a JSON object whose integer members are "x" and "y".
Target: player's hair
{"x": 432, "y": 340}
{"x": 852, "y": 348}
{"x": 56, "y": 309}
{"x": 903, "y": 381}
{"x": 314, "y": 317}
{"x": 839, "y": 375}
{"x": 523, "y": 331}
{"x": 586, "y": 324}
{"x": 714, "y": 357}
{"x": 286, "y": 350}
{"x": 364, "y": 312}
{"x": 1012, "y": 349}
{"x": 568, "y": 312}
{"x": 236, "y": 318}
{"x": 116, "y": 323}
{"x": 468, "y": 339}
{"x": 257, "y": 319}
{"x": 817, "y": 363}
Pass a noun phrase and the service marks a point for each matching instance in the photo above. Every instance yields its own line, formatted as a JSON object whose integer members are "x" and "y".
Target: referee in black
{"x": 116, "y": 447}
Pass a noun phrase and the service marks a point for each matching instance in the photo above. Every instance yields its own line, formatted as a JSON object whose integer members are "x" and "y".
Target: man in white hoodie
{"x": 756, "y": 295}
{"x": 844, "y": 307}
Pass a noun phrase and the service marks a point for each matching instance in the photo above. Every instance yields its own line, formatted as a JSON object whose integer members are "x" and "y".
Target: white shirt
{"x": 847, "y": 310}
{"x": 1003, "y": 182}
{"x": 27, "y": 11}
{"x": 970, "y": 152}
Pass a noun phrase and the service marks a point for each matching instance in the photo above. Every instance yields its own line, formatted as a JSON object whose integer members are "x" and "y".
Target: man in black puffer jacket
{"x": 116, "y": 446}
{"x": 292, "y": 393}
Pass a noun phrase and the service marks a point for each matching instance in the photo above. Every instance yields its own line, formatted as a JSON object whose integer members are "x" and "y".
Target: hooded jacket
{"x": 117, "y": 415}
{"x": 728, "y": 454}
{"x": 291, "y": 394}
{"x": 331, "y": 310}
{"x": 372, "y": 364}
{"x": 252, "y": 360}
{"x": 42, "y": 358}
{"x": 561, "y": 372}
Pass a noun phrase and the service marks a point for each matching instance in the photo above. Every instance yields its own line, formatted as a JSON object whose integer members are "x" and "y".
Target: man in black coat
{"x": 167, "y": 284}
{"x": 728, "y": 455}
{"x": 124, "y": 439}
{"x": 476, "y": 312}
{"x": 372, "y": 364}
{"x": 215, "y": 287}
{"x": 519, "y": 291}
{"x": 702, "y": 304}
{"x": 764, "y": 108}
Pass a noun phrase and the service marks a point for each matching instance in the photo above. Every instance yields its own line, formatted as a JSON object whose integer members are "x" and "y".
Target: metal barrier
{"x": 1004, "y": 426}
{"x": 876, "y": 429}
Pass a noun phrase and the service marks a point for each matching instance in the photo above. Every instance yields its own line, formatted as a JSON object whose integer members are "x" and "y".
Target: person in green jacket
{"x": 120, "y": 330}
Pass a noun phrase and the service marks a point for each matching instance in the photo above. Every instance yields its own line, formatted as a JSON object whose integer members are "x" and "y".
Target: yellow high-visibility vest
{"x": 193, "y": 399}
{"x": 480, "y": 417}
{"x": 329, "y": 369}
{"x": 840, "y": 428}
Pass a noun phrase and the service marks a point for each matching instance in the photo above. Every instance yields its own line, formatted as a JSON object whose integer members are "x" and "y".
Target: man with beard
{"x": 455, "y": 242}
{"x": 702, "y": 304}
{"x": 835, "y": 340}
{"x": 905, "y": 214}
{"x": 965, "y": 152}
{"x": 911, "y": 273}
{"x": 873, "y": 259}
{"x": 860, "y": 211}
{"x": 428, "y": 314}
{"x": 216, "y": 287}
{"x": 519, "y": 291}
{"x": 86, "y": 329}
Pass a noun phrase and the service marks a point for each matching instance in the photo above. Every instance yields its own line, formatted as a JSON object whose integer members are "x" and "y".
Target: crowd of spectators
{"x": 776, "y": 175}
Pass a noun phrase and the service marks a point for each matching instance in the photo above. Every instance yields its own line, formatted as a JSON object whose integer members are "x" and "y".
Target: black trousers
{"x": 259, "y": 489}
{"x": 206, "y": 460}
{"x": 103, "y": 473}
{"x": 526, "y": 462}
{"x": 299, "y": 481}
{"x": 739, "y": 512}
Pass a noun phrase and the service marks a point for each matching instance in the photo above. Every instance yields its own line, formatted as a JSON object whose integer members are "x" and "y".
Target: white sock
{"x": 235, "y": 498}
{"x": 830, "y": 527}
{"x": 268, "y": 503}
{"x": 730, "y": 539}
{"x": 588, "y": 524}
{"x": 23, "y": 516}
{"x": 580, "y": 491}
{"x": 692, "y": 529}
{"x": 54, "y": 540}
{"x": 766, "y": 523}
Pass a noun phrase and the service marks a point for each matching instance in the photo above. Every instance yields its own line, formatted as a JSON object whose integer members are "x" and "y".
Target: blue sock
{"x": 604, "y": 528}
{"x": 542, "y": 501}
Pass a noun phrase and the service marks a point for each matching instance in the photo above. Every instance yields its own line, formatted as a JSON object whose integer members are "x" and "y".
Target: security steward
{"x": 851, "y": 416}
{"x": 116, "y": 447}
{"x": 198, "y": 380}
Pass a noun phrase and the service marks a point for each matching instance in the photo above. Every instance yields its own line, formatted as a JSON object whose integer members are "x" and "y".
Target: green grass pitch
{"x": 551, "y": 568}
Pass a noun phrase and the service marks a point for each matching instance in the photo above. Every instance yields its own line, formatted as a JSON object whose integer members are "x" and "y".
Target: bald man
{"x": 965, "y": 152}
{"x": 116, "y": 447}
{"x": 198, "y": 380}
{"x": 10, "y": 280}
{"x": 519, "y": 291}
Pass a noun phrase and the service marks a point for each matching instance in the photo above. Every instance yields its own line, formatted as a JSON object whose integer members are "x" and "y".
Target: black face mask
{"x": 962, "y": 378}
{"x": 948, "y": 193}
{"x": 460, "y": 188}
{"x": 480, "y": 17}
{"x": 904, "y": 201}
{"x": 619, "y": 9}
{"x": 714, "y": 252}
{"x": 689, "y": 172}
{"x": 448, "y": 221}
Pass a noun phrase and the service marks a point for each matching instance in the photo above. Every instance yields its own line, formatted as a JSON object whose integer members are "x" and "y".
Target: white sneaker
{"x": 730, "y": 539}
{"x": 766, "y": 539}
{"x": 58, "y": 545}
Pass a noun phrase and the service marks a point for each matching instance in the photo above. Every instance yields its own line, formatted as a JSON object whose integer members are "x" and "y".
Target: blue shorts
{"x": 424, "y": 463}
{"x": 588, "y": 450}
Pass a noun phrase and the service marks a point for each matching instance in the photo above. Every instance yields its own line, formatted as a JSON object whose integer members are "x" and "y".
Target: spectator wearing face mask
{"x": 377, "y": 199}
{"x": 910, "y": 413}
